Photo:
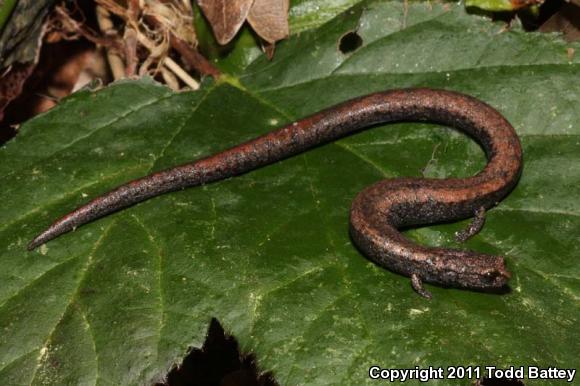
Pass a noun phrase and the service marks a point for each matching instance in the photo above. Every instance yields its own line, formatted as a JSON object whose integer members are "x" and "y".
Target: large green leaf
{"x": 268, "y": 253}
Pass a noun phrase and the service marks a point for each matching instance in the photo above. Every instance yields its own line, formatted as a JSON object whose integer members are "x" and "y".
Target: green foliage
{"x": 500, "y": 5}
{"x": 268, "y": 253}
{"x": 6, "y": 7}
{"x": 491, "y": 5}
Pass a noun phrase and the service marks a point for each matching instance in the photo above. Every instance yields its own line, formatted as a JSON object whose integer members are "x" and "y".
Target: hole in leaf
{"x": 349, "y": 42}
{"x": 218, "y": 363}
{"x": 500, "y": 382}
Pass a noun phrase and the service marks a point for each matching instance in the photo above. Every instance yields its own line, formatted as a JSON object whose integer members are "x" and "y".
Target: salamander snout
{"x": 496, "y": 277}
{"x": 493, "y": 276}
{"x": 478, "y": 271}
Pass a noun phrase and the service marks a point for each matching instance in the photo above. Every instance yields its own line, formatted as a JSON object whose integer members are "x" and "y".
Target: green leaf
{"x": 120, "y": 300}
{"x": 6, "y": 8}
{"x": 307, "y": 14}
{"x": 491, "y": 5}
{"x": 21, "y": 30}
{"x": 502, "y": 5}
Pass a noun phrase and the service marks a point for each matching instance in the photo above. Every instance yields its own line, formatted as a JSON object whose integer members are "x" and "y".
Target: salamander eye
{"x": 490, "y": 276}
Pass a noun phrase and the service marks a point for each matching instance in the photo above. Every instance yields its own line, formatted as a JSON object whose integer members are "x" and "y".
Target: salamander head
{"x": 477, "y": 271}
{"x": 494, "y": 277}
{"x": 465, "y": 269}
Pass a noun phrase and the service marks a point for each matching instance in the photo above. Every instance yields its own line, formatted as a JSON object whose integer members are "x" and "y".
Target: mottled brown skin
{"x": 381, "y": 209}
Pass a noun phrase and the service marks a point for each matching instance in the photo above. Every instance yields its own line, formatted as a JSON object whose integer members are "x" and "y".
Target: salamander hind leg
{"x": 417, "y": 285}
{"x": 473, "y": 228}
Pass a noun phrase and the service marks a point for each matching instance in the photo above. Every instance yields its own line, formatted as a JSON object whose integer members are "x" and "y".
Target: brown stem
{"x": 190, "y": 55}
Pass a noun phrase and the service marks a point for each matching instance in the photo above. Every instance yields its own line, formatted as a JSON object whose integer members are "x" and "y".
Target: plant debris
{"x": 268, "y": 18}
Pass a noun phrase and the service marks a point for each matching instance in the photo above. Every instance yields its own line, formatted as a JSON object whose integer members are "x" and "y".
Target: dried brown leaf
{"x": 11, "y": 84}
{"x": 565, "y": 21}
{"x": 225, "y": 16}
{"x": 269, "y": 18}
{"x": 269, "y": 49}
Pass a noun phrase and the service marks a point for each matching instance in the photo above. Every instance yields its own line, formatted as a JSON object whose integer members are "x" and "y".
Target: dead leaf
{"x": 566, "y": 21}
{"x": 225, "y": 16}
{"x": 269, "y": 49}
{"x": 269, "y": 18}
{"x": 11, "y": 84}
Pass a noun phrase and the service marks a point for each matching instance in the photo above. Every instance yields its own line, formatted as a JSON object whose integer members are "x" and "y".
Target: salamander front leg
{"x": 473, "y": 228}
{"x": 417, "y": 285}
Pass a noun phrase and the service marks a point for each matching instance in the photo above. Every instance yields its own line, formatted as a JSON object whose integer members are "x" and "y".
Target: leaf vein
{"x": 74, "y": 294}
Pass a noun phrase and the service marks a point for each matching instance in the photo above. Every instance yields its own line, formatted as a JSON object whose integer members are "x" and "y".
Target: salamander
{"x": 379, "y": 211}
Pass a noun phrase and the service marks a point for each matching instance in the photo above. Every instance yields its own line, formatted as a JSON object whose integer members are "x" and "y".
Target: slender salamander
{"x": 381, "y": 209}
